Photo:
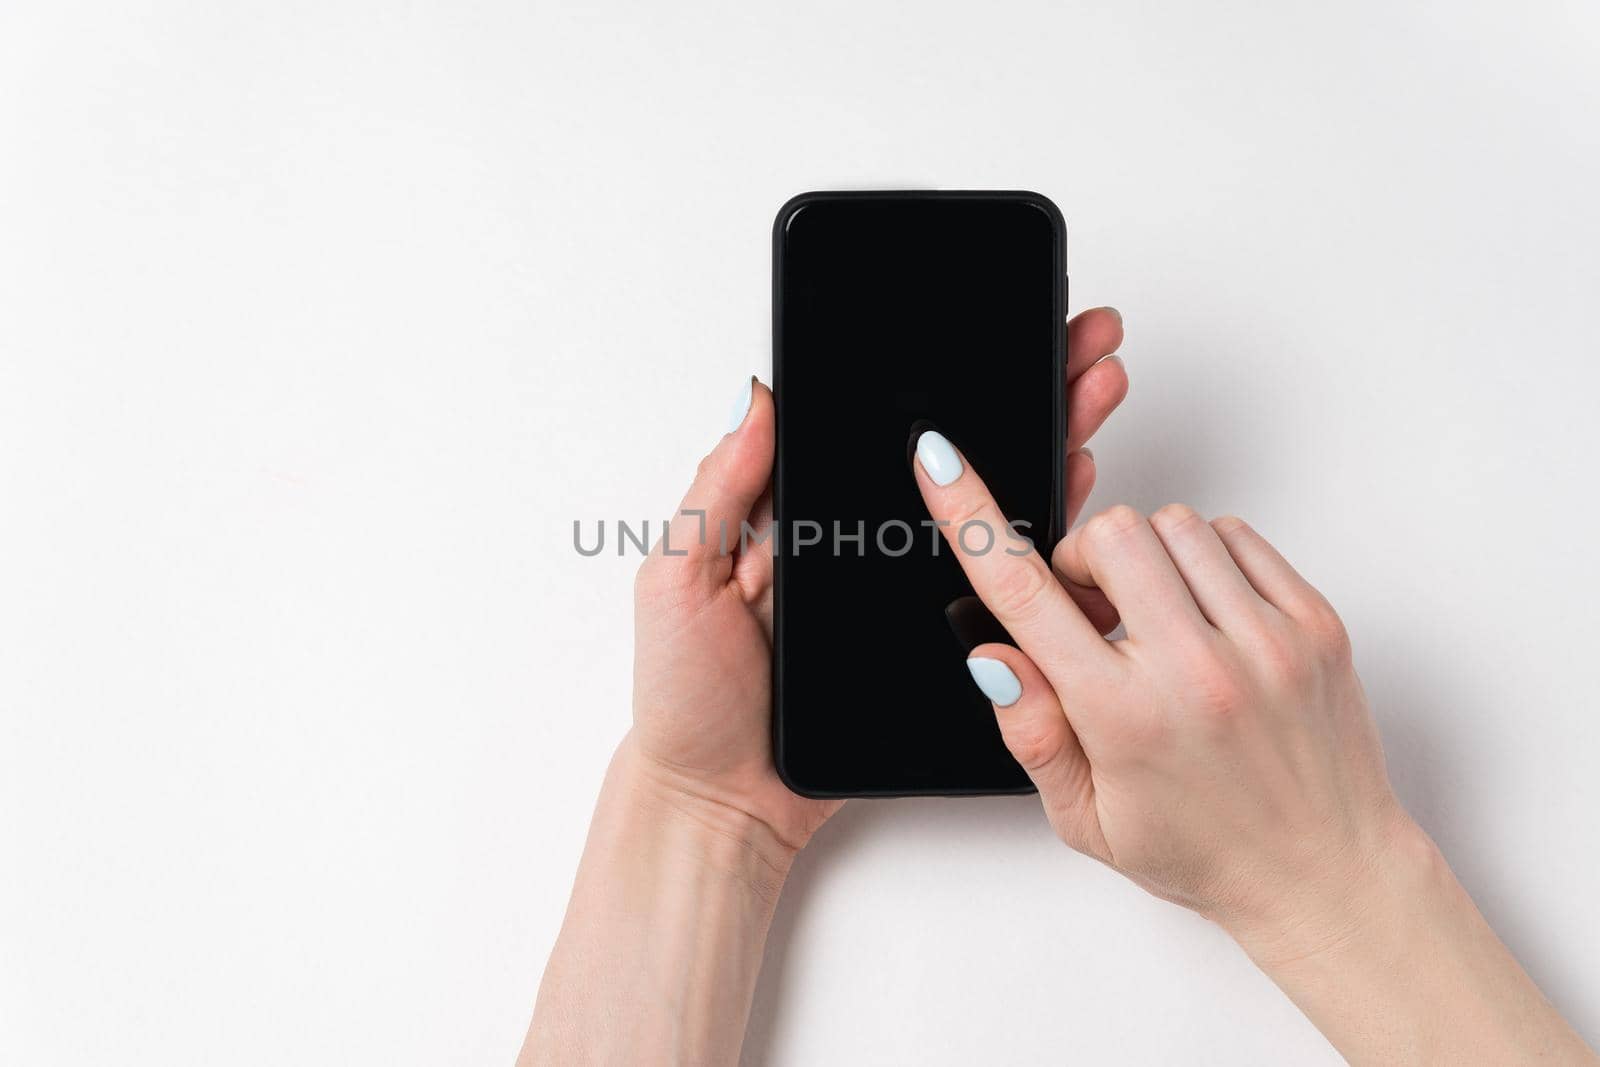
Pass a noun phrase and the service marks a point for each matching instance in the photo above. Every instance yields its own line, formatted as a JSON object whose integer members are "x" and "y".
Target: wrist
{"x": 1391, "y": 960}
{"x": 690, "y": 825}
{"x": 662, "y": 941}
{"x": 1370, "y": 899}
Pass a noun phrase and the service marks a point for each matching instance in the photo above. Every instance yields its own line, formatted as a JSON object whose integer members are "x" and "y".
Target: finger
{"x": 1079, "y": 481}
{"x": 752, "y": 562}
{"x": 1268, "y": 572}
{"x": 1097, "y": 381}
{"x": 1091, "y": 601}
{"x": 1091, "y": 336}
{"x": 1018, "y": 588}
{"x": 1093, "y": 397}
{"x": 1213, "y": 578}
{"x": 703, "y": 534}
{"x": 1117, "y": 552}
{"x": 1038, "y": 736}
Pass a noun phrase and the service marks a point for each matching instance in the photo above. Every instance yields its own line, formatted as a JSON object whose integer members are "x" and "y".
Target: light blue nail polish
{"x": 996, "y": 680}
{"x": 938, "y": 457}
{"x": 741, "y": 404}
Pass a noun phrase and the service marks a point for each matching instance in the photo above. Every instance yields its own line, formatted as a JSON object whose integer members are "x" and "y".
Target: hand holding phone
{"x": 692, "y": 798}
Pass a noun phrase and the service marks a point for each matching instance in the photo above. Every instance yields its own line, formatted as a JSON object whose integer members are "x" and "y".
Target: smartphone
{"x": 894, "y": 312}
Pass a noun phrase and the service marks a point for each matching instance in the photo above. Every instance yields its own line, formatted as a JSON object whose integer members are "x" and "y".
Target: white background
{"x": 321, "y": 322}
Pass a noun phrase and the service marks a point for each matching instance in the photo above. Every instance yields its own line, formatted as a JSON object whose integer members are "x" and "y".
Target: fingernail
{"x": 1088, "y": 453}
{"x": 996, "y": 680}
{"x": 741, "y": 404}
{"x": 938, "y": 457}
{"x": 1115, "y": 312}
{"x": 1109, "y": 357}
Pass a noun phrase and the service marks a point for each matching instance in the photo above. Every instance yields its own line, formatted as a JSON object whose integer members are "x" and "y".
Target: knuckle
{"x": 1218, "y": 695}
{"x": 713, "y": 477}
{"x": 1061, "y": 557}
{"x": 967, "y": 509}
{"x": 1111, "y": 526}
{"x": 1033, "y": 744}
{"x": 1017, "y": 590}
{"x": 1216, "y": 690}
{"x": 1327, "y": 632}
{"x": 1226, "y": 525}
{"x": 1174, "y": 518}
{"x": 1286, "y": 658}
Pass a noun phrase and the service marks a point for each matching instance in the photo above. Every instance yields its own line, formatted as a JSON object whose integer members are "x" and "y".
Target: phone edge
{"x": 785, "y": 215}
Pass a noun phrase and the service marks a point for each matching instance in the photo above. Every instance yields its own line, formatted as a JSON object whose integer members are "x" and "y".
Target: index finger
{"x": 1017, "y": 586}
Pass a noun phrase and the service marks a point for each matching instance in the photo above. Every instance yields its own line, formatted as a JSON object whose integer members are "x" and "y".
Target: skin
{"x": 1222, "y": 756}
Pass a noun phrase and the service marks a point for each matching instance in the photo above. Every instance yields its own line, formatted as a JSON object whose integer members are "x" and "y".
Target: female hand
{"x": 703, "y": 620}
{"x": 1223, "y": 756}
{"x": 694, "y": 831}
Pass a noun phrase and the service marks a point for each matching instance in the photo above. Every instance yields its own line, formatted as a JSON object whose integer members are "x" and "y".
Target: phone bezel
{"x": 785, "y": 215}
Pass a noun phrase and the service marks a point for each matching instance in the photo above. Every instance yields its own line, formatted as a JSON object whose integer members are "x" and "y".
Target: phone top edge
{"x": 800, "y": 201}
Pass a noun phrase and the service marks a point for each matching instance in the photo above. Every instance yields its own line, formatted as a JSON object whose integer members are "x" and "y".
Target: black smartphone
{"x": 895, "y": 312}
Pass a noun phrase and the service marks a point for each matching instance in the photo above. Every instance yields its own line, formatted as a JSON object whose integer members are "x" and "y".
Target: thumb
{"x": 696, "y": 550}
{"x": 1036, "y": 732}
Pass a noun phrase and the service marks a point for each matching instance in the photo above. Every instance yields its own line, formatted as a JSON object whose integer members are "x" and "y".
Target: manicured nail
{"x": 938, "y": 457}
{"x": 741, "y": 404}
{"x": 996, "y": 680}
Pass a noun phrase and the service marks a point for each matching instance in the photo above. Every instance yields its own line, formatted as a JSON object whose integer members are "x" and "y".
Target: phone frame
{"x": 786, "y": 213}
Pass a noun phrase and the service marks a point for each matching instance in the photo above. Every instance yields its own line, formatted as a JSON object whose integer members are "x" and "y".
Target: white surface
{"x": 321, "y": 322}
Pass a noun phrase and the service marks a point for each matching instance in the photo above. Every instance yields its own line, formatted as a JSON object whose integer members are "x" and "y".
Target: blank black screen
{"x": 892, "y": 312}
